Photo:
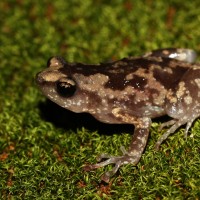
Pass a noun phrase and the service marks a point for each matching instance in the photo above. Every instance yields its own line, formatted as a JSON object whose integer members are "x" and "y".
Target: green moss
{"x": 40, "y": 156}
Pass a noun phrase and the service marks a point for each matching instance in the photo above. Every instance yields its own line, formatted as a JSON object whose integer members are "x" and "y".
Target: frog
{"x": 132, "y": 90}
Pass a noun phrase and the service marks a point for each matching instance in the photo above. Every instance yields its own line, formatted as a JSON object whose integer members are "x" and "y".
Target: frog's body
{"x": 132, "y": 91}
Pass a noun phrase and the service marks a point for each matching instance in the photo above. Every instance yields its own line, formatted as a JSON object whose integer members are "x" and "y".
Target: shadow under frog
{"x": 51, "y": 112}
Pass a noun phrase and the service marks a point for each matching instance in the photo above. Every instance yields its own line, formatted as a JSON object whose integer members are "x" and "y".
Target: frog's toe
{"x": 111, "y": 160}
{"x": 117, "y": 160}
{"x": 165, "y": 124}
{"x": 189, "y": 124}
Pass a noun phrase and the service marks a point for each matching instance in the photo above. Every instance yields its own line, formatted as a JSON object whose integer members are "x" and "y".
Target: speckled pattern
{"x": 132, "y": 90}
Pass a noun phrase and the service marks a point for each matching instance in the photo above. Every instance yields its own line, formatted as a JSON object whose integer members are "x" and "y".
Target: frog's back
{"x": 136, "y": 85}
{"x": 136, "y": 71}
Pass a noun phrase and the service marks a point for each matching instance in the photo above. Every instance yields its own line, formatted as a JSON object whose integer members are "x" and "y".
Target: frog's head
{"x": 56, "y": 83}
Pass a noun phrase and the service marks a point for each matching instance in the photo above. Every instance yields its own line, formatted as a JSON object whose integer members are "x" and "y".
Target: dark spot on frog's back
{"x": 137, "y": 82}
{"x": 121, "y": 67}
{"x": 121, "y": 74}
{"x": 117, "y": 82}
{"x": 169, "y": 79}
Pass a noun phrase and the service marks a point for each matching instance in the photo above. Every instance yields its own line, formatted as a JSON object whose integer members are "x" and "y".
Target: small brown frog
{"x": 132, "y": 90}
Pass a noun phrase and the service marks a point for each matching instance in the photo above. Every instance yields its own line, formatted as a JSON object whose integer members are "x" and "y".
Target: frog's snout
{"x": 39, "y": 78}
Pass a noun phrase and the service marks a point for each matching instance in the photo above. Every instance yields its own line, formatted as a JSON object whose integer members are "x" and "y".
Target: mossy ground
{"x": 43, "y": 147}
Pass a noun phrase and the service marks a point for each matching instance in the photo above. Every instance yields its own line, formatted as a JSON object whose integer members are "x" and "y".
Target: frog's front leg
{"x": 136, "y": 148}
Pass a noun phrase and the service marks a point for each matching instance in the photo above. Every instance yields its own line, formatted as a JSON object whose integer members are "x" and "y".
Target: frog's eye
{"x": 66, "y": 87}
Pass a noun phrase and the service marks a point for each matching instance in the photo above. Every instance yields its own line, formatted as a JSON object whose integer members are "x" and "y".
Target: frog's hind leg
{"x": 187, "y": 55}
{"x": 169, "y": 123}
{"x": 171, "y": 130}
{"x": 175, "y": 125}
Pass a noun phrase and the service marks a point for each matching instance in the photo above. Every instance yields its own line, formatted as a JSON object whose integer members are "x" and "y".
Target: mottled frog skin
{"x": 132, "y": 90}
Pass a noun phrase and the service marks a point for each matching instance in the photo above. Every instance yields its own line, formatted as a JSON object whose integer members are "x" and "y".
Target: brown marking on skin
{"x": 170, "y": 97}
{"x": 130, "y": 76}
{"x": 156, "y": 59}
{"x": 152, "y": 83}
{"x": 155, "y": 67}
{"x": 141, "y": 96}
{"x": 197, "y": 81}
{"x": 137, "y": 82}
{"x": 153, "y": 87}
{"x": 159, "y": 99}
{"x": 181, "y": 89}
{"x": 166, "y": 52}
{"x": 188, "y": 100}
{"x": 95, "y": 83}
{"x": 125, "y": 117}
{"x": 169, "y": 76}
{"x": 138, "y": 122}
{"x": 51, "y": 76}
{"x": 168, "y": 70}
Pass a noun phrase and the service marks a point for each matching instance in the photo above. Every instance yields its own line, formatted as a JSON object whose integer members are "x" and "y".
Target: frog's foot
{"x": 133, "y": 155}
{"x": 117, "y": 160}
{"x": 174, "y": 125}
